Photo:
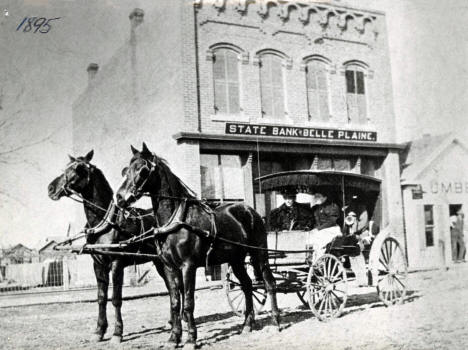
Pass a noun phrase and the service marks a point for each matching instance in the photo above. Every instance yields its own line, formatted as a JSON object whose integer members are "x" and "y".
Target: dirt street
{"x": 435, "y": 316}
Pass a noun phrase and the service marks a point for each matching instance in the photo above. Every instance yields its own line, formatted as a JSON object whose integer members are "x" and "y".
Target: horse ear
{"x": 145, "y": 149}
{"x": 72, "y": 159}
{"x": 134, "y": 150}
{"x": 89, "y": 156}
{"x": 124, "y": 171}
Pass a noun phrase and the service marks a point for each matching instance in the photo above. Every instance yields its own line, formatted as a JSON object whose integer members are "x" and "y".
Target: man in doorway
{"x": 326, "y": 217}
{"x": 456, "y": 233}
{"x": 291, "y": 215}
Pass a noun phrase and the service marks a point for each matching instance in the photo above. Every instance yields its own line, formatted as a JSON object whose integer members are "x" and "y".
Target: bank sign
{"x": 306, "y": 133}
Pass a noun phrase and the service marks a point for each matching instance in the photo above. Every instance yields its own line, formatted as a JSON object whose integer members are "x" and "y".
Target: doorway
{"x": 455, "y": 227}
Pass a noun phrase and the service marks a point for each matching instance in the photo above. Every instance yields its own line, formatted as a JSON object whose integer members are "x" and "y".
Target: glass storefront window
{"x": 221, "y": 177}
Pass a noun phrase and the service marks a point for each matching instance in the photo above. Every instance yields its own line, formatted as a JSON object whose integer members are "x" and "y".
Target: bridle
{"x": 66, "y": 186}
{"x": 150, "y": 166}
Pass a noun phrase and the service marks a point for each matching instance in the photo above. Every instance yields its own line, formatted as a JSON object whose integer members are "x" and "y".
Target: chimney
{"x": 92, "y": 71}
{"x": 136, "y": 17}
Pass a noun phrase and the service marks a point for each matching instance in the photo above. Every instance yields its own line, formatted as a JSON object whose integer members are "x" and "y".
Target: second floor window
{"x": 272, "y": 86}
{"x": 226, "y": 82}
{"x": 317, "y": 91}
{"x": 356, "y": 95}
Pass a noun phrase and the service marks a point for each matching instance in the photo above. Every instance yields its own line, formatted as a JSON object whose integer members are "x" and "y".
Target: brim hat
{"x": 289, "y": 192}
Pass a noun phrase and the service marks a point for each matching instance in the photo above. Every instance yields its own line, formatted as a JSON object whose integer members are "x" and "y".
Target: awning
{"x": 310, "y": 180}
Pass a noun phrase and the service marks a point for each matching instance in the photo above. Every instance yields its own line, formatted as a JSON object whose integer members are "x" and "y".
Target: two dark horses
{"x": 184, "y": 249}
{"x": 86, "y": 181}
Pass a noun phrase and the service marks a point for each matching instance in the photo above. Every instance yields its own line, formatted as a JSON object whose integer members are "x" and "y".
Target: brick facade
{"x": 160, "y": 84}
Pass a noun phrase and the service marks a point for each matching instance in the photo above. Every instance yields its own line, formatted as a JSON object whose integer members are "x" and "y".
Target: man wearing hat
{"x": 291, "y": 215}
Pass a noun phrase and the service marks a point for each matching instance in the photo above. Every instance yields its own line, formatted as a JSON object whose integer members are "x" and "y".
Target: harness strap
{"x": 214, "y": 232}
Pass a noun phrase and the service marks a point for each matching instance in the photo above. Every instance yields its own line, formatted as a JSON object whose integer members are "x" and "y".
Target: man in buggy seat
{"x": 327, "y": 215}
{"x": 359, "y": 230}
{"x": 291, "y": 215}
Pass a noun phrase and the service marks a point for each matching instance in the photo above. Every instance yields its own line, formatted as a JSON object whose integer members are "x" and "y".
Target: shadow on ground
{"x": 222, "y": 326}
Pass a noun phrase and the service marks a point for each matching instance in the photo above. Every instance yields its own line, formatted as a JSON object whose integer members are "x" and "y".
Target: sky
{"x": 41, "y": 75}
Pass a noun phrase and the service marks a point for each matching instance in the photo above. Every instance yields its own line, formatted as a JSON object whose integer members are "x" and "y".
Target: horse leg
{"x": 117, "y": 281}
{"x": 102, "y": 278}
{"x": 189, "y": 274}
{"x": 260, "y": 263}
{"x": 160, "y": 268}
{"x": 246, "y": 286}
{"x": 174, "y": 283}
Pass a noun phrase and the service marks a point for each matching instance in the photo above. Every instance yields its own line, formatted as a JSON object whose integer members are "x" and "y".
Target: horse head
{"x": 149, "y": 174}
{"x": 75, "y": 178}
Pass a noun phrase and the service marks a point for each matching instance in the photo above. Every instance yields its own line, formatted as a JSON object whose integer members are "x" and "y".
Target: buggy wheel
{"x": 327, "y": 287}
{"x": 392, "y": 272}
{"x": 236, "y": 297}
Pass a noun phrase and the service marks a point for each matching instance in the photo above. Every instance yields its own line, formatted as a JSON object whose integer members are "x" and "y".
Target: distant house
{"x": 18, "y": 254}
{"x": 46, "y": 249}
{"x": 434, "y": 181}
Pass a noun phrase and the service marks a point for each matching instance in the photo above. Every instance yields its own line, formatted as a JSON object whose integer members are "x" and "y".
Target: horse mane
{"x": 177, "y": 187}
{"x": 101, "y": 181}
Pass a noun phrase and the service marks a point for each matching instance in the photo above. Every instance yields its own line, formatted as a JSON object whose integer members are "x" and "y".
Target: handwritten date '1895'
{"x": 35, "y": 23}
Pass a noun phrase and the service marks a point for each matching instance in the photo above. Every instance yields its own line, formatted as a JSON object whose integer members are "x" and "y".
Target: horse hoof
{"x": 246, "y": 329}
{"x": 116, "y": 339}
{"x": 95, "y": 338}
{"x": 168, "y": 346}
{"x": 190, "y": 346}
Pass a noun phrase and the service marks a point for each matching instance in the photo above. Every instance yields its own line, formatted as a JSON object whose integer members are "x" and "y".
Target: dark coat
{"x": 326, "y": 215}
{"x": 281, "y": 217}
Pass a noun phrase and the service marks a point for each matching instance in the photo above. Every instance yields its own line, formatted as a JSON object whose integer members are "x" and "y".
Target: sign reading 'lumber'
{"x": 292, "y": 131}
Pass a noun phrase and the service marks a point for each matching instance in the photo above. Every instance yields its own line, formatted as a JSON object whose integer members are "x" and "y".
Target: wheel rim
{"x": 327, "y": 287}
{"x": 235, "y": 295}
{"x": 392, "y": 273}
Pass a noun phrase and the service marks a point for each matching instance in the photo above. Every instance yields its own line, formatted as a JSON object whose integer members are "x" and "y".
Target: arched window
{"x": 226, "y": 81}
{"x": 317, "y": 90}
{"x": 272, "y": 86}
{"x": 356, "y": 94}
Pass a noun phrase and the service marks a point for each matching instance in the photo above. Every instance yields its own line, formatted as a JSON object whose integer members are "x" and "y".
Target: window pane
{"x": 324, "y": 163}
{"x": 219, "y": 66}
{"x": 429, "y": 237}
{"x": 311, "y": 77}
{"x": 351, "y": 105}
{"x": 278, "y": 103}
{"x": 323, "y": 105}
{"x": 360, "y": 82}
{"x": 428, "y": 215}
{"x": 232, "y": 65}
{"x": 233, "y": 178}
{"x": 313, "y": 101}
{"x": 317, "y": 91}
{"x": 210, "y": 176}
{"x": 271, "y": 81}
{"x": 361, "y": 108}
{"x": 350, "y": 87}
{"x": 233, "y": 93}
{"x": 220, "y": 96}
{"x": 322, "y": 79}
{"x": 341, "y": 164}
{"x": 226, "y": 81}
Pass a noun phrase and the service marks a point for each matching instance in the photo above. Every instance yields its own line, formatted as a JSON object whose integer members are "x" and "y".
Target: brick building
{"x": 246, "y": 89}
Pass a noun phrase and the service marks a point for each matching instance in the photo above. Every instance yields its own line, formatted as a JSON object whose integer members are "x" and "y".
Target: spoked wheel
{"x": 236, "y": 297}
{"x": 392, "y": 272}
{"x": 327, "y": 287}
